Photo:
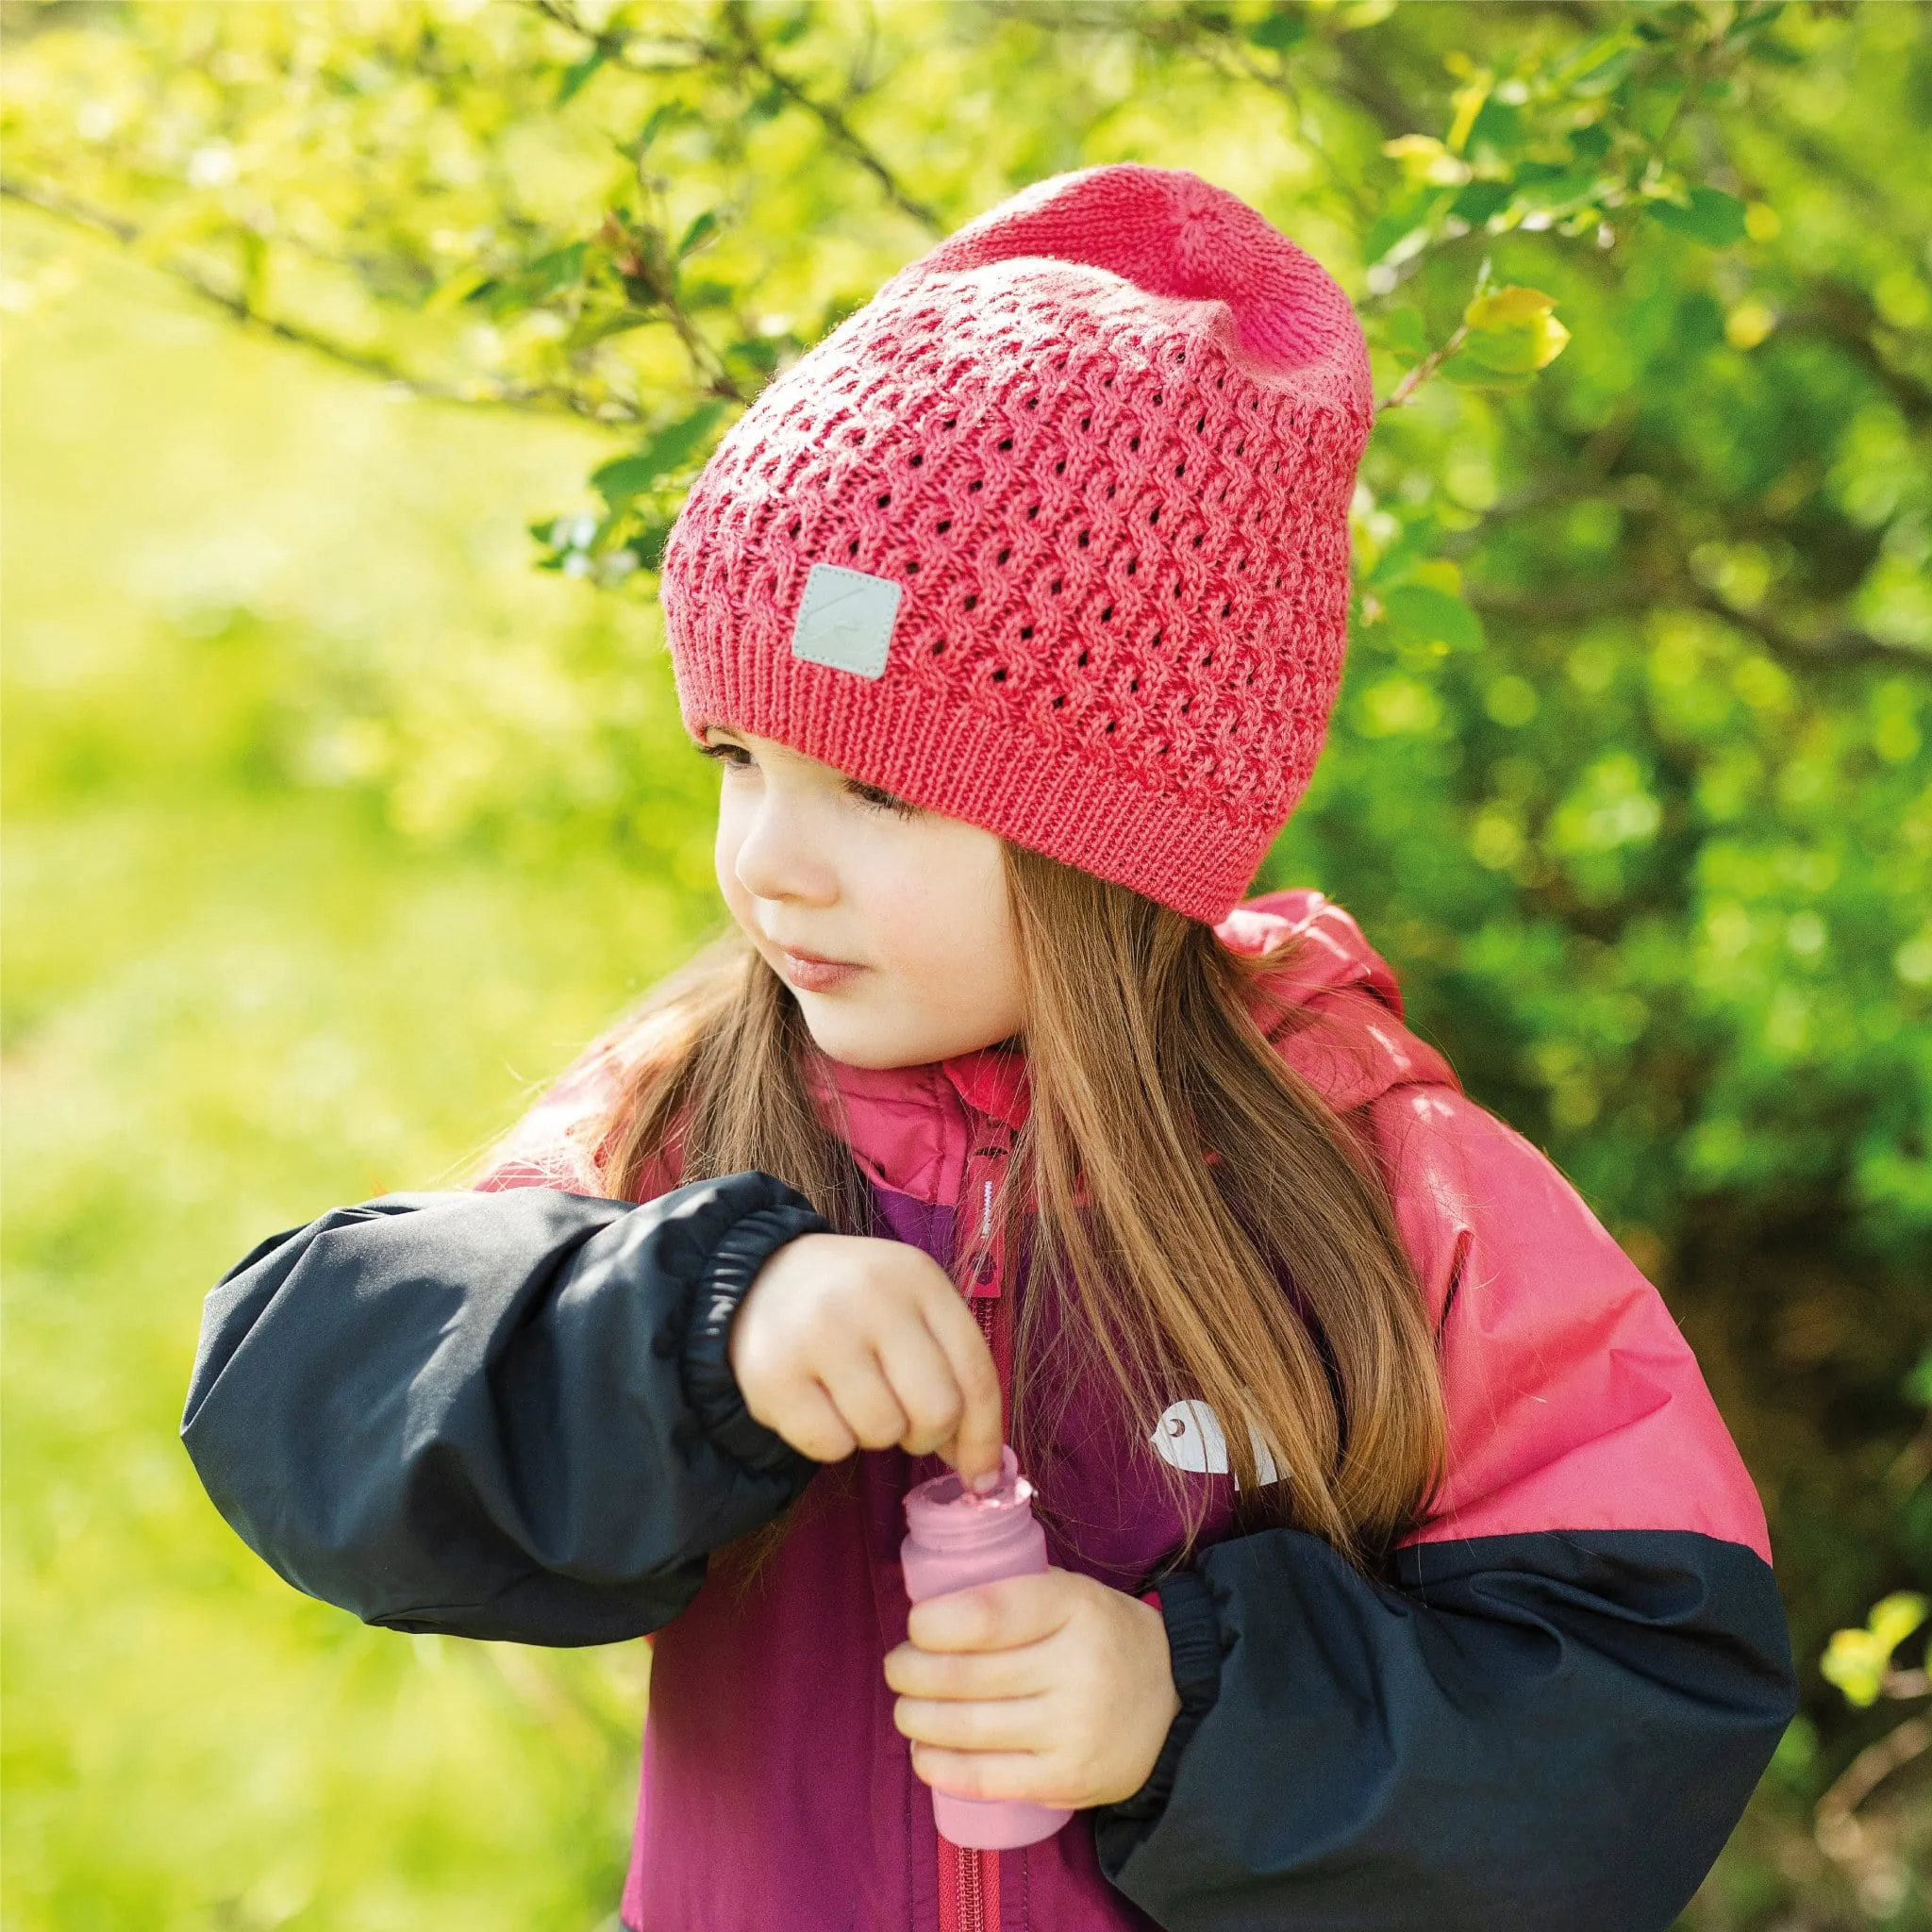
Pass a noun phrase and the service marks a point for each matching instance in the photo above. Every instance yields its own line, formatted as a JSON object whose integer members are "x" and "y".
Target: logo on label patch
{"x": 846, "y": 620}
{"x": 1188, "y": 1437}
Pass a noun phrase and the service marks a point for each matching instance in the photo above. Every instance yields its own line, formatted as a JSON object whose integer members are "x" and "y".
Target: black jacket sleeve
{"x": 503, "y": 1415}
{"x": 1515, "y": 1733}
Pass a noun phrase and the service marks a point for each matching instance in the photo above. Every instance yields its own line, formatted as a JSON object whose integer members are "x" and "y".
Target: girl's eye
{"x": 735, "y": 757}
{"x": 881, "y": 800}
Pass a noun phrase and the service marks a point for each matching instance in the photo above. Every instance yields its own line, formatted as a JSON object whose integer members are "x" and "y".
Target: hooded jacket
{"x": 509, "y": 1413}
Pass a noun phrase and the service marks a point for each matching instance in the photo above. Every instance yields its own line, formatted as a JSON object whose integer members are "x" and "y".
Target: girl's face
{"x": 909, "y": 906}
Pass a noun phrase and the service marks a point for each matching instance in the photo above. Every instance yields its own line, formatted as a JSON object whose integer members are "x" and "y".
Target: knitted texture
{"x": 1103, "y": 440}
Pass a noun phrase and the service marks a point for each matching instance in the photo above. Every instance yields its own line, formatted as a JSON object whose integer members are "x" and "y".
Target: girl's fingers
{"x": 975, "y": 1446}
{"x": 864, "y": 1399}
{"x": 1025, "y": 1672}
{"x": 1005, "y": 1723}
{"x": 811, "y": 1424}
{"x": 984, "y": 1774}
{"x": 922, "y": 1379}
{"x": 1015, "y": 1612}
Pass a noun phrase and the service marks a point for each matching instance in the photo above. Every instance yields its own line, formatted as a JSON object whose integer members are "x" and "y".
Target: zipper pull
{"x": 986, "y": 1276}
{"x": 988, "y": 1271}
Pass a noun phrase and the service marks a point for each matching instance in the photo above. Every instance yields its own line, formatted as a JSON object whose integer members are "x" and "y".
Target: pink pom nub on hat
{"x": 1052, "y": 535}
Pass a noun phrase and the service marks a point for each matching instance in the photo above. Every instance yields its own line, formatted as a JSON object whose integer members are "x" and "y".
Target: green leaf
{"x": 1403, "y": 216}
{"x": 465, "y": 286}
{"x": 649, "y": 544}
{"x": 1426, "y": 615}
{"x": 1497, "y": 127}
{"x": 1511, "y": 352}
{"x": 1279, "y": 31}
{"x": 1513, "y": 331}
{"x": 1480, "y": 200}
{"x": 1467, "y": 372}
{"x": 1405, "y": 334}
{"x": 766, "y": 105}
{"x": 537, "y": 282}
{"x": 1919, "y": 1383}
{"x": 1564, "y": 192}
{"x": 1596, "y": 67}
{"x": 697, "y": 234}
{"x": 665, "y": 114}
{"x": 1713, "y": 217}
{"x": 590, "y": 330}
{"x": 575, "y": 76}
{"x": 1858, "y": 1660}
{"x": 626, "y": 478}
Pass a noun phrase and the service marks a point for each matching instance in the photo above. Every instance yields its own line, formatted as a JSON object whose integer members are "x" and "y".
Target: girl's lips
{"x": 817, "y": 976}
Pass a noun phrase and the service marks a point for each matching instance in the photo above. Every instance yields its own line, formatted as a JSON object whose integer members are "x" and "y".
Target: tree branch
{"x": 831, "y": 117}
{"x": 1845, "y": 315}
{"x": 1839, "y": 1833}
{"x": 1844, "y": 644}
{"x": 746, "y": 50}
{"x": 1422, "y": 372}
{"x": 547, "y": 398}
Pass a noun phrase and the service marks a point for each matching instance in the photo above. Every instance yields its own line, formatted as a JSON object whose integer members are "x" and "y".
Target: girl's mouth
{"x": 810, "y": 974}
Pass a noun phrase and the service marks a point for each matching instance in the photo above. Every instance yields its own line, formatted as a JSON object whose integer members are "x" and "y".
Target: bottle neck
{"x": 943, "y": 1514}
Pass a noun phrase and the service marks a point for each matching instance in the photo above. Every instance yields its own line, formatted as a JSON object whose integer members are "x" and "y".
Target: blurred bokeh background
{"x": 354, "y": 358}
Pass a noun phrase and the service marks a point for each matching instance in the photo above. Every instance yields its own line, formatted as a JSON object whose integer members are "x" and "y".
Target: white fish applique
{"x": 1188, "y": 1435}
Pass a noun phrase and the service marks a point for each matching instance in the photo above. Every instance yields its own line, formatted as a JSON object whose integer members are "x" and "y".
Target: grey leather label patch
{"x": 846, "y": 619}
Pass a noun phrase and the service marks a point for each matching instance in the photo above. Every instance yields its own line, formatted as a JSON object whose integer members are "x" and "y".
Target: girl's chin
{"x": 843, "y": 1035}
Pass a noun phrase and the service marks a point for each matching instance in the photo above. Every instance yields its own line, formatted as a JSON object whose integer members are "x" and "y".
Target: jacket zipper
{"x": 971, "y": 1902}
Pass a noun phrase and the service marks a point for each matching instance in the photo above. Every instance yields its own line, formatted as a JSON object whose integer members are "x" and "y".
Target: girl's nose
{"x": 779, "y": 857}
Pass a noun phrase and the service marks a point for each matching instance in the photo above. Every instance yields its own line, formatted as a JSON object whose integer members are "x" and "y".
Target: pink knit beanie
{"x": 1052, "y": 535}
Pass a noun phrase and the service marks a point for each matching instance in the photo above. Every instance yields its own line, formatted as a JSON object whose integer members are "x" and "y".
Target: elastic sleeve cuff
{"x": 709, "y": 1386}
{"x": 1194, "y": 1647}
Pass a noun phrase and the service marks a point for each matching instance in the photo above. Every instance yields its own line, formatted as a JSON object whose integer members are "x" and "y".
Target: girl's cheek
{"x": 955, "y": 967}
{"x": 738, "y": 825}
{"x": 724, "y": 863}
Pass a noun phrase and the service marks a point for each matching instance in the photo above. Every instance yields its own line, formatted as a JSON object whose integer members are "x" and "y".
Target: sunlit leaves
{"x": 1706, "y": 214}
{"x": 1281, "y": 28}
{"x": 1509, "y": 334}
{"x": 1430, "y": 616}
{"x": 641, "y": 493}
{"x": 1426, "y": 161}
{"x": 536, "y": 283}
{"x": 701, "y": 229}
{"x": 1858, "y": 1661}
{"x": 670, "y": 449}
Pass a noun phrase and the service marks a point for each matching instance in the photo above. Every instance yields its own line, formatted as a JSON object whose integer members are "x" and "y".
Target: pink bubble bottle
{"x": 956, "y": 1538}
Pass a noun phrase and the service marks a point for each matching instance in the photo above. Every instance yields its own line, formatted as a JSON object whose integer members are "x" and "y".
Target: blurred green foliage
{"x": 327, "y": 800}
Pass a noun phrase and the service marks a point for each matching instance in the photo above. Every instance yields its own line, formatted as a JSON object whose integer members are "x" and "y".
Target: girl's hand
{"x": 1053, "y": 1688}
{"x": 843, "y": 1343}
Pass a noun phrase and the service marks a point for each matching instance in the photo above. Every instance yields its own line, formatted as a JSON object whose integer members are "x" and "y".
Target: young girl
{"x": 1405, "y": 1575}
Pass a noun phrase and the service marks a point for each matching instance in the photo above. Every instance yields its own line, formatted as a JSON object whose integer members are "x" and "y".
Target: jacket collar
{"x": 992, "y": 1080}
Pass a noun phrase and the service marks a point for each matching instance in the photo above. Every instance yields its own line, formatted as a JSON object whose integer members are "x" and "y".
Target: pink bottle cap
{"x": 944, "y": 1512}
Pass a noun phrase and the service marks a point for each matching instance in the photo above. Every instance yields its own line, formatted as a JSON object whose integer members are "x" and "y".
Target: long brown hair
{"x": 1212, "y": 1227}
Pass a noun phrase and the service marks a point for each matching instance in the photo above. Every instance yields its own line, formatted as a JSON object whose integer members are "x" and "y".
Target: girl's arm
{"x": 498, "y": 1414}
{"x": 1553, "y": 1709}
